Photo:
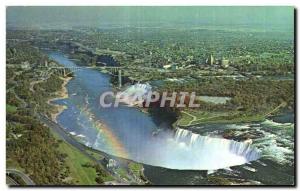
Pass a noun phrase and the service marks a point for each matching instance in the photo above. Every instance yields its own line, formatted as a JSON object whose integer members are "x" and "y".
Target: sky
{"x": 280, "y": 17}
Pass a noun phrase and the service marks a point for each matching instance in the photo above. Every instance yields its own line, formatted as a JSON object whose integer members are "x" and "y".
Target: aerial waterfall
{"x": 214, "y": 153}
{"x": 126, "y": 132}
{"x": 186, "y": 150}
{"x": 132, "y": 93}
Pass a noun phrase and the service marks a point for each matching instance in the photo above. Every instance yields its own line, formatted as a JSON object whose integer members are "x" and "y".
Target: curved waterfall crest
{"x": 196, "y": 141}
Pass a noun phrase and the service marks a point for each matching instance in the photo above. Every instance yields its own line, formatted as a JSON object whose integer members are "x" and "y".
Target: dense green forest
{"x": 253, "y": 96}
{"x": 250, "y": 100}
{"x": 31, "y": 147}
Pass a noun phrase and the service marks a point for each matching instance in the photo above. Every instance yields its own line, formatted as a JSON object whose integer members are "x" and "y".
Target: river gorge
{"x": 196, "y": 152}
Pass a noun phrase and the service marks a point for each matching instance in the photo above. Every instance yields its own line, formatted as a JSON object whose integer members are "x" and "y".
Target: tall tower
{"x": 120, "y": 78}
{"x": 211, "y": 60}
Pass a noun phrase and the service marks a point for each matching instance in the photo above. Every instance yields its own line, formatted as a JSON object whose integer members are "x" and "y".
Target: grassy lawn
{"x": 240, "y": 119}
{"x": 122, "y": 172}
{"x": 81, "y": 175}
{"x": 135, "y": 168}
{"x": 98, "y": 156}
{"x": 184, "y": 120}
{"x": 75, "y": 159}
{"x": 11, "y": 108}
{"x": 10, "y": 163}
{"x": 193, "y": 117}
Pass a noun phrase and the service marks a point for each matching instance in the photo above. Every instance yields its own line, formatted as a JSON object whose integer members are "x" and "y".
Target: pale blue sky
{"x": 282, "y": 17}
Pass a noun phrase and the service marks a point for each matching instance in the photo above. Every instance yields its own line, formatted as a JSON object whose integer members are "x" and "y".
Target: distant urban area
{"x": 242, "y": 132}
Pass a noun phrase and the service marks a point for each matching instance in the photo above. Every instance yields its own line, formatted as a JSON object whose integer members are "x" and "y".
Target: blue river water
{"x": 127, "y": 132}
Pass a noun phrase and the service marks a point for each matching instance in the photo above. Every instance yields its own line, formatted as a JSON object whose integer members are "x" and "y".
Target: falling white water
{"x": 207, "y": 153}
{"x": 189, "y": 151}
{"x": 182, "y": 150}
{"x": 132, "y": 93}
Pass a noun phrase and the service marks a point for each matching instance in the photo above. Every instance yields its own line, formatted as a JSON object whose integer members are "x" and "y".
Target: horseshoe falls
{"x": 186, "y": 150}
{"x": 208, "y": 153}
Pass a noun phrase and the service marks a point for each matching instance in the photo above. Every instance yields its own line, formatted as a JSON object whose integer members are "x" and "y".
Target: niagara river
{"x": 127, "y": 132}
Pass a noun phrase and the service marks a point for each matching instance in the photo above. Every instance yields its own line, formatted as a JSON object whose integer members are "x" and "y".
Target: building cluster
{"x": 210, "y": 61}
{"x": 221, "y": 62}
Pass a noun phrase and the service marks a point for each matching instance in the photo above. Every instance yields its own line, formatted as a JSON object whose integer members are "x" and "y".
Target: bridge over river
{"x": 113, "y": 70}
{"x": 66, "y": 70}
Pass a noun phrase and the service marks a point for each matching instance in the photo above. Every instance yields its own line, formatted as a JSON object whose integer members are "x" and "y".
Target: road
{"x": 65, "y": 136}
{"x": 24, "y": 103}
{"x": 283, "y": 104}
{"x": 10, "y": 181}
{"x": 25, "y": 178}
{"x": 194, "y": 118}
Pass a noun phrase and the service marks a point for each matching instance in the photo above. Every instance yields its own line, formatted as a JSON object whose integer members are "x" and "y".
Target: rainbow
{"x": 111, "y": 139}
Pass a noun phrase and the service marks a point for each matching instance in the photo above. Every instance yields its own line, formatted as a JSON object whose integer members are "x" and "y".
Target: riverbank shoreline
{"x": 123, "y": 169}
{"x": 61, "y": 94}
{"x": 237, "y": 120}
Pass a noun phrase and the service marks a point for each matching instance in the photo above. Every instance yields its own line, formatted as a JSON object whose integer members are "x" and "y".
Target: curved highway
{"x": 24, "y": 177}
